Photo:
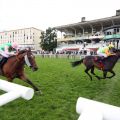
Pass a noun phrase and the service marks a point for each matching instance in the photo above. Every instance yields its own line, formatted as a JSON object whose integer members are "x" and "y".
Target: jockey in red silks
{"x": 6, "y": 50}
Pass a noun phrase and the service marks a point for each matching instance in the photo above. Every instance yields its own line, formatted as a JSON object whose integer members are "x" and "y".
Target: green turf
{"x": 61, "y": 85}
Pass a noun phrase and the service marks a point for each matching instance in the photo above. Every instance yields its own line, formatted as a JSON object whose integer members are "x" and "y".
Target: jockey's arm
{"x": 107, "y": 52}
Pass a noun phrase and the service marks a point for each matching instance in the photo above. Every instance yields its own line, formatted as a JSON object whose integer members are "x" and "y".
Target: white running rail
{"x": 93, "y": 110}
{"x": 14, "y": 91}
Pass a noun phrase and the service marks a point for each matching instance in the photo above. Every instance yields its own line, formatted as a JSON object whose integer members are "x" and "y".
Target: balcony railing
{"x": 80, "y": 38}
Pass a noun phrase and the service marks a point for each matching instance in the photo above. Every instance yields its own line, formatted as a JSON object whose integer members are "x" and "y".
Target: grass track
{"x": 61, "y": 85}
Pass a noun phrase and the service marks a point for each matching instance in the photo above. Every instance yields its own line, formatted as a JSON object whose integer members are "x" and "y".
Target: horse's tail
{"x": 75, "y": 63}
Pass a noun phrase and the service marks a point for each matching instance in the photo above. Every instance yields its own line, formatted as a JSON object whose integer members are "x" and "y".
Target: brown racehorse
{"x": 106, "y": 65}
{"x": 14, "y": 67}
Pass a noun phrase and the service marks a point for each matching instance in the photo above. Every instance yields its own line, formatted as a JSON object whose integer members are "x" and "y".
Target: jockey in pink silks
{"x": 6, "y": 50}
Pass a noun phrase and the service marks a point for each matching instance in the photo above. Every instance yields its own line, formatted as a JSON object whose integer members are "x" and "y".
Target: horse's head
{"x": 29, "y": 58}
{"x": 117, "y": 52}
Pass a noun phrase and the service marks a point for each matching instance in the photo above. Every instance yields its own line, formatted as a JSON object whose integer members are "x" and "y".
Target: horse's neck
{"x": 112, "y": 59}
{"x": 16, "y": 62}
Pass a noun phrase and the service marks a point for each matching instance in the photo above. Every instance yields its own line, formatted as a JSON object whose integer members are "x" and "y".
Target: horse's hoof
{"x": 39, "y": 92}
{"x": 109, "y": 77}
{"x": 98, "y": 78}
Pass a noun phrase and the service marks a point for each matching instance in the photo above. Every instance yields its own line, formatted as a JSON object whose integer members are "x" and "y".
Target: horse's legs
{"x": 92, "y": 71}
{"x": 29, "y": 82}
{"x": 104, "y": 74}
{"x": 113, "y": 74}
{"x": 86, "y": 70}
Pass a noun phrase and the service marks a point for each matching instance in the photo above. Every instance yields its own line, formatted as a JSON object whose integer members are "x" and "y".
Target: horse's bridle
{"x": 26, "y": 58}
{"x": 27, "y": 61}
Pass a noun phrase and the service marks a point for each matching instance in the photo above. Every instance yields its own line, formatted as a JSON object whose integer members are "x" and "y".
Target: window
{"x": 108, "y": 33}
{"x": 114, "y": 31}
{"x": 13, "y": 34}
{"x": 117, "y": 29}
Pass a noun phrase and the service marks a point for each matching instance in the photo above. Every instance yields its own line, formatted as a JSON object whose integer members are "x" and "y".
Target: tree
{"x": 49, "y": 39}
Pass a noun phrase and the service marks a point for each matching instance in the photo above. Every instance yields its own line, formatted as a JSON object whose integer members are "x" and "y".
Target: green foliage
{"x": 49, "y": 39}
{"x": 61, "y": 85}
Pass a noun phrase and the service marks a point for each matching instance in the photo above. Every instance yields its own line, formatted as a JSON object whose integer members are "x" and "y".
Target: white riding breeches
{"x": 3, "y": 54}
{"x": 101, "y": 54}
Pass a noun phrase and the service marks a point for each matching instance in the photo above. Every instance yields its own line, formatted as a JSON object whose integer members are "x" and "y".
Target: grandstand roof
{"x": 105, "y": 22}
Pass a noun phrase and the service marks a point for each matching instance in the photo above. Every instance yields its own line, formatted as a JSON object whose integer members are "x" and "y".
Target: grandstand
{"x": 90, "y": 34}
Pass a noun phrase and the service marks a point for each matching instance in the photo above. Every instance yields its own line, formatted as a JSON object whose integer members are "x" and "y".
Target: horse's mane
{"x": 22, "y": 51}
{"x": 109, "y": 57}
{"x": 116, "y": 50}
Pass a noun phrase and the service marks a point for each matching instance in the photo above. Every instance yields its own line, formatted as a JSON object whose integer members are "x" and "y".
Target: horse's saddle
{"x": 99, "y": 61}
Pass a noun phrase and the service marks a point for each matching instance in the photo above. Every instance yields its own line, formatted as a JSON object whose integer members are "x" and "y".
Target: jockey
{"x": 105, "y": 51}
{"x": 6, "y": 50}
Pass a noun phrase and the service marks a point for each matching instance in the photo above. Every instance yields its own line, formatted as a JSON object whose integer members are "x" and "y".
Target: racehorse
{"x": 106, "y": 64}
{"x": 14, "y": 67}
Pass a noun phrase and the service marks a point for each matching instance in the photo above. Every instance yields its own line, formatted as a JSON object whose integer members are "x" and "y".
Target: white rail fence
{"x": 14, "y": 91}
{"x": 68, "y": 56}
{"x": 93, "y": 110}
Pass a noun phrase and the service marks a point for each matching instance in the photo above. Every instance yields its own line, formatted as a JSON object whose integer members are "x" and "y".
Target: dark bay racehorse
{"x": 14, "y": 67}
{"x": 107, "y": 64}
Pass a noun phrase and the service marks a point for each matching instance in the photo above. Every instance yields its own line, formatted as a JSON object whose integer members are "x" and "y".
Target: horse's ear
{"x": 28, "y": 48}
{"x": 114, "y": 50}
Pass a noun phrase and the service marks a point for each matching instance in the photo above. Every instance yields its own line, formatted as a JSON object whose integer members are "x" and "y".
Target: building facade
{"x": 27, "y": 37}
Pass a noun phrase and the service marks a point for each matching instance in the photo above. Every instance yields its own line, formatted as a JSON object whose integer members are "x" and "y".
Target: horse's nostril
{"x": 36, "y": 68}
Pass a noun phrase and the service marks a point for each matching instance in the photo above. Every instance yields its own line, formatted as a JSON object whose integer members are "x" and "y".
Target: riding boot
{"x": 1, "y": 64}
{"x": 3, "y": 61}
